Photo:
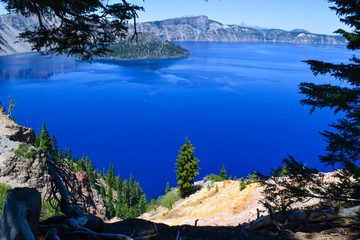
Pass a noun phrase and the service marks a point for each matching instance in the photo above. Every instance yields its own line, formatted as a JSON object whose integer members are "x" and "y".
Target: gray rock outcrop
{"x": 189, "y": 28}
{"x": 19, "y": 169}
{"x": 13, "y": 131}
{"x": 201, "y": 28}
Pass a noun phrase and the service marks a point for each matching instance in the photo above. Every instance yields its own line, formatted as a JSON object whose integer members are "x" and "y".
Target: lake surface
{"x": 237, "y": 102}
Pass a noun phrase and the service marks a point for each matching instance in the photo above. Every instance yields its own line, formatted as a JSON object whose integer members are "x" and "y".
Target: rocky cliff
{"x": 201, "y": 28}
{"x": 10, "y": 27}
{"x": 22, "y": 164}
{"x": 190, "y": 28}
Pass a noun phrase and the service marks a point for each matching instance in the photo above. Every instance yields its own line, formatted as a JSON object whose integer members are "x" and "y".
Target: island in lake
{"x": 144, "y": 46}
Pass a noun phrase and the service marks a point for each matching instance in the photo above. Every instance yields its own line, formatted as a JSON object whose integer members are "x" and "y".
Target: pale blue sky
{"x": 312, "y": 15}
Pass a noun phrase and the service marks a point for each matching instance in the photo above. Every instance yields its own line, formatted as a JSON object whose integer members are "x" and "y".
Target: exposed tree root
{"x": 21, "y": 213}
{"x": 282, "y": 218}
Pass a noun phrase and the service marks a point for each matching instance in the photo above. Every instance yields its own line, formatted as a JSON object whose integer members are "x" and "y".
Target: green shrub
{"x": 169, "y": 199}
{"x": 21, "y": 150}
{"x": 214, "y": 178}
{"x": 31, "y": 153}
{"x": 252, "y": 177}
{"x": 47, "y": 211}
{"x": 3, "y": 189}
{"x": 242, "y": 184}
{"x": 153, "y": 205}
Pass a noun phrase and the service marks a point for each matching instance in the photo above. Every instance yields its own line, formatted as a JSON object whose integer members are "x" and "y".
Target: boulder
{"x": 13, "y": 131}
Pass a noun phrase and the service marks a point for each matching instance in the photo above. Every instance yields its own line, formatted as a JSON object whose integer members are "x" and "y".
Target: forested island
{"x": 144, "y": 46}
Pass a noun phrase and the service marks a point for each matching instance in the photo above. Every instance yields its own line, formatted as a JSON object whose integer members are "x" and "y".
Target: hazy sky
{"x": 312, "y": 15}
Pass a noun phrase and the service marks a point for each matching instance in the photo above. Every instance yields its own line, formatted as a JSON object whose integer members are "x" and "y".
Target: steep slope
{"x": 201, "y": 28}
{"x": 10, "y": 27}
{"x": 22, "y": 164}
{"x": 220, "y": 204}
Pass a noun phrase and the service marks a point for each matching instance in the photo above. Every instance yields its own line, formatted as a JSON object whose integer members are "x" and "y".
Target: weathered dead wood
{"x": 21, "y": 213}
{"x": 71, "y": 228}
{"x": 305, "y": 216}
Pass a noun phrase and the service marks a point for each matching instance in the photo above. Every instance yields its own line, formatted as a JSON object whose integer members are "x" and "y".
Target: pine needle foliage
{"x": 343, "y": 149}
{"x": 223, "y": 173}
{"x": 85, "y": 28}
{"x": 187, "y": 168}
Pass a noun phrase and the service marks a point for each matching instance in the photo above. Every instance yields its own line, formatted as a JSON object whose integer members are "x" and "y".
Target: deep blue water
{"x": 237, "y": 102}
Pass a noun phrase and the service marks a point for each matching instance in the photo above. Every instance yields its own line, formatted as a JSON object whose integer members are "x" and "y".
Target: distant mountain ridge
{"x": 201, "y": 28}
{"x": 188, "y": 28}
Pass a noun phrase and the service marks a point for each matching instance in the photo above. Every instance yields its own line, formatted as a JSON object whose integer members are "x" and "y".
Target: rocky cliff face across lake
{"x": 201, "y": 28}
{"x": 190, "y": 28}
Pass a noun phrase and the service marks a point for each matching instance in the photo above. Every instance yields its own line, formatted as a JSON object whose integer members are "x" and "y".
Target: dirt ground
{"x": 142, "y": 229}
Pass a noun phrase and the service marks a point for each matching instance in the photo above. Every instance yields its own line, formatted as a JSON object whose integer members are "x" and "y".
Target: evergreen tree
{"x": 110, "y": 204}
{"x": 223, "y": 173}
{"x": 72, "y": 166}
{"x": 11, "y": 108}
{"x": 167, "y": 189}
{"x": 88, "y": 28}
{"x": 143, "y": 205}
{"x": 110, "y": 176}
{"x": 38, "y": 140}
{"x": 118, "y": 183}
{"x": 69, "y": 154}
{"x": 90, "y": 170}
{"x": 242, "y": 184}
{"x": 153, "y": 204}
{"x": 125, "y": 192}
{"x": 343, "y": 149}
{"x": 102, "y": 190}
{"x": 45, "y": 141}
{"x": 187, "y": 167}
{"x": 54, "y": 144}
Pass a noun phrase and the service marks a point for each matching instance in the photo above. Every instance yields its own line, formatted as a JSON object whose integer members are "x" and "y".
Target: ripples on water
{"x": 237, "y": 103}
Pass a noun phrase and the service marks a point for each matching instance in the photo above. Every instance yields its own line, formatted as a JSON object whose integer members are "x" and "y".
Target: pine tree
{"x": 110, "y": 176}
{"x": 143, "y": 205}
{"x": 187, "y": 167}
{"x": 242, "y": 184}
{"x": 125, "y": 192}
{"x": 54, "y": 144}
{"x": 89, "y": 168}
{"x": 45, "y": 141}
{"x": 86, "y": 32}
{"x": 343, "y": 149}
{"x": 118, "y": 183}
{"x": 110, "y": 204}
{"x": 102, "y": 190}
{"x": 223, "y": 173}
{"x": 167, "y": 189}
{"x": 153, "y": 204}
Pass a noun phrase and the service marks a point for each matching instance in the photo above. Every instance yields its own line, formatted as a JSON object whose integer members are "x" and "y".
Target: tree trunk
{"x": 21, "y": 213}
{"x": 302, "y": 217}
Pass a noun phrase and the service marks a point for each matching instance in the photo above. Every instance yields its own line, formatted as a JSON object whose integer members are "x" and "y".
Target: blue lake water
{"x": 237, "y": 102}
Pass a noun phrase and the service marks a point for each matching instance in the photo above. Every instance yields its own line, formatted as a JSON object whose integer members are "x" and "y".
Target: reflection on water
{"x": 144, "y": 64}
{"x": 237, "y": 102}
{"x": 33, "y": 66}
